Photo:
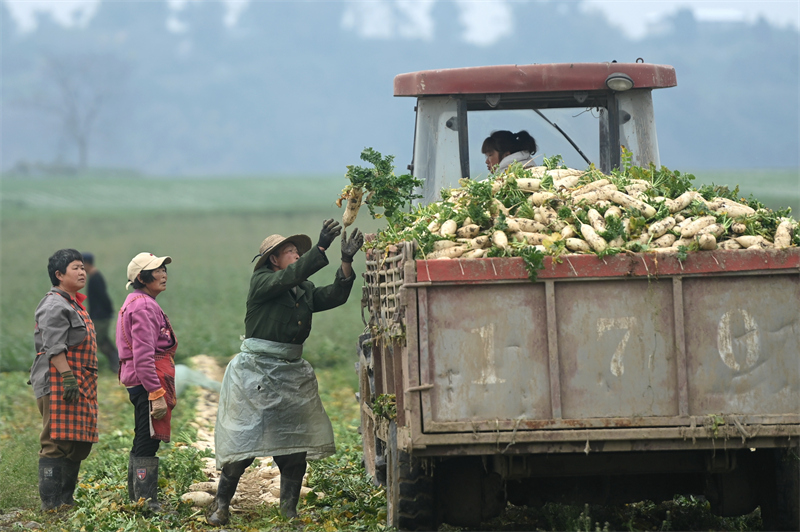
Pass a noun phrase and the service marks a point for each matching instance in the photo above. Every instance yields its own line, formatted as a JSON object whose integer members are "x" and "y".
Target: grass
{"x": 212, "y": 228}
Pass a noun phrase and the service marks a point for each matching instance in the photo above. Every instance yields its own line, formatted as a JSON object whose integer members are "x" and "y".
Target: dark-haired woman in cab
{"x": 502, "y": 148}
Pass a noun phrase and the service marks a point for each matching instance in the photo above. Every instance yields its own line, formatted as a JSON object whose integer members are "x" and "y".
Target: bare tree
{"x": 75, "y": 88}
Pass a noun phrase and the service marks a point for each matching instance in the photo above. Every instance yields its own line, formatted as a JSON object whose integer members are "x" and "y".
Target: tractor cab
{"x": 584, "y": 112}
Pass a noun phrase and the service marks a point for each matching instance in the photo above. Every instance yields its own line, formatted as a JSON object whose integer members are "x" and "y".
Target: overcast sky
{"x": 484, "y": 21}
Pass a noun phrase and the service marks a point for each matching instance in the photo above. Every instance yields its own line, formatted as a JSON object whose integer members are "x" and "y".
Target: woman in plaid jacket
{"x": 64, "y": 379}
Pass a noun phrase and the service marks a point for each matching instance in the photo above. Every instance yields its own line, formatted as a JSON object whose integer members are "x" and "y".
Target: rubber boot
{"x": 220, "y": 509}
{"x": 145, "y": 480}
{"x": 50, "y": 474}
{"x": 69, "y": 479}
{"x": 290, "y": 495}
{"x": 292, "y": 468}
{"x": 130, "y": 478}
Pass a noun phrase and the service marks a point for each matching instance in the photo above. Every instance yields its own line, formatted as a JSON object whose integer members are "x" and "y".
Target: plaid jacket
{"x": 76, "y": 421}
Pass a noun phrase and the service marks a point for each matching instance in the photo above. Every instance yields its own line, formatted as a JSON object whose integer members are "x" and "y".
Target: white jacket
{"x": 523, "y": 157}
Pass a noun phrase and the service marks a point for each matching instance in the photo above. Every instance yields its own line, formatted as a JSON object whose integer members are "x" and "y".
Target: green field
{"x": 777, "y": 189}
{"x": 212, "y": 228}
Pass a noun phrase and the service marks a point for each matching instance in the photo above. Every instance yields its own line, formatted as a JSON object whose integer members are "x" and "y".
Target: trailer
{"x": 608, "y": 380}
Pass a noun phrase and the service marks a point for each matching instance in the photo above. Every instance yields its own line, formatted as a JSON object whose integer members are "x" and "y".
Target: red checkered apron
{"x": 76, "y": 421}
{"x": 165, "y": 369}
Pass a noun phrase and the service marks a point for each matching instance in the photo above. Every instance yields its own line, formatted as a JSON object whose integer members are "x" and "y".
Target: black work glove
{"x": 330, "y": 230}
{"x": 350, "y": 246}
{"x": 71, "y": 391}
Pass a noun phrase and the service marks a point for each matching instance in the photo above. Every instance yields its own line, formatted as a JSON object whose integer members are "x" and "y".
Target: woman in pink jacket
{"x": 147, "y": 345}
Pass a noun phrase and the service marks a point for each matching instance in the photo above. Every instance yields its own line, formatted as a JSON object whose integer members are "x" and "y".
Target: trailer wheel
{"x": 410, "y": 501}
{"x": 780, "y": 504}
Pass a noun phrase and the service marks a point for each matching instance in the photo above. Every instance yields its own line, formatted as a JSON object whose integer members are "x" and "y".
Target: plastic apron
{"x": 269, "y": 405}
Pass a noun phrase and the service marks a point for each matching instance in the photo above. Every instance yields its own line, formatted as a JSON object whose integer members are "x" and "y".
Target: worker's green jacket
{"x": 278, "y": 312}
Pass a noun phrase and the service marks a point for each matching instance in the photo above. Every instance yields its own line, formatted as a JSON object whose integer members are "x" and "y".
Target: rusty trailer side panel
{"x": 640, "y": 349}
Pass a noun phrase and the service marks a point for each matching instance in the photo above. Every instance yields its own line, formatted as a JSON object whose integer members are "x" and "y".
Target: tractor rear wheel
{"x": 410, "y": 501}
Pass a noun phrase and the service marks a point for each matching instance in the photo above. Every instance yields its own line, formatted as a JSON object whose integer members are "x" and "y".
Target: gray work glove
{"x": 158, "y": 408}
{"x": 71, "y": 391}
{"x": 350, "y": 246}
{"x": 330, "y": 230}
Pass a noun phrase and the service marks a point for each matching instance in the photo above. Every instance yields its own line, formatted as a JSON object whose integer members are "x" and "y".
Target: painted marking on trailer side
{"x": 609, "y": 324}
{"x": 488, "y": 375}
{"x": 751, "y": 339}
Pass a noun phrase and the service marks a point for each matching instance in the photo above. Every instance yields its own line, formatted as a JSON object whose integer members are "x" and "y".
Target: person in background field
{"x": 147, "y": 345}
{"x": 100, "y": 310}
{"x": 269, "y": 404}
{"x": 502, "y": 148}
{"x": 64, "y": 379}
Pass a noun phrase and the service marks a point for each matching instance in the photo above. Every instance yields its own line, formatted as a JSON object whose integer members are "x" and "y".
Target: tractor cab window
{"x": 581, "y": 125}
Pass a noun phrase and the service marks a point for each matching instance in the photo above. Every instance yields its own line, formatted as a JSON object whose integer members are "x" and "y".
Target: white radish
{"x": 474, "y": 254}
{"x": 730, "y": 207}
{"x": 449, "y": 228}
{"x": 481, "y": 242}
{"x": 715, "y": 229}
{"x": 497, "y": 207}
{"x": 353, "y": 204}
{"x": 562, "y": 173}
{"x": 738, "y": 228}
{"x": 500, "y": 239}
{"x": 594, "y": 185}
{"x": 706, "y": 241}
{"x": 468, "y": 231}
{"x": 597, "y": 242}
{"x": 516, "y": 236}
{"x": 751, "y": 240}
{"x": 568, "y": 232}
{"x": 529, "y": 184}
{"x": 548, "y": 217}
{"x": 682, "y": 201}
{"x": 434, "y": 227}
{"x": 595, "y": 196}
{"x": 576, "y": 244}
{"x": 566, "y": 182}
{"x": 539, "y": 198}
{"x": 730, "y": 245}
{"x": 636, "y": 189}
{"x": 443, "y": 244}
{"x": 447, "y": 253}
{"x": 665, "y": 241}
{"x": 691, "y": 229}
{"x": 657, "y": 229}
{"x": 783, "y": 234}
{"x": 534, "y": 239}
{"x": 597, "y": 220}
{"x": 618, "y": 242}
{"x": 631, "y": 203}
{"x": 530, "y": 226}
{"x": 613, "y": 211}
{"x": 538, "y": 171}
{"x": 664, "y": 250}
{"x": 512, "y": 225}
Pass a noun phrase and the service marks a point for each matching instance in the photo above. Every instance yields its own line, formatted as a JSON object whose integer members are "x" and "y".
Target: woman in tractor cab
{"x": 502, "y": 148}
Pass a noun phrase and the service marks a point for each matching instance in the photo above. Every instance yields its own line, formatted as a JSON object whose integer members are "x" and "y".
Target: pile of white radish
{"x": 561, "y": 211}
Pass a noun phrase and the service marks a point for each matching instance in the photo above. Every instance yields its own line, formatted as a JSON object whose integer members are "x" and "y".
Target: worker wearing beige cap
{"x": 147, "y": 345}
{"x": 269, "y": 404}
